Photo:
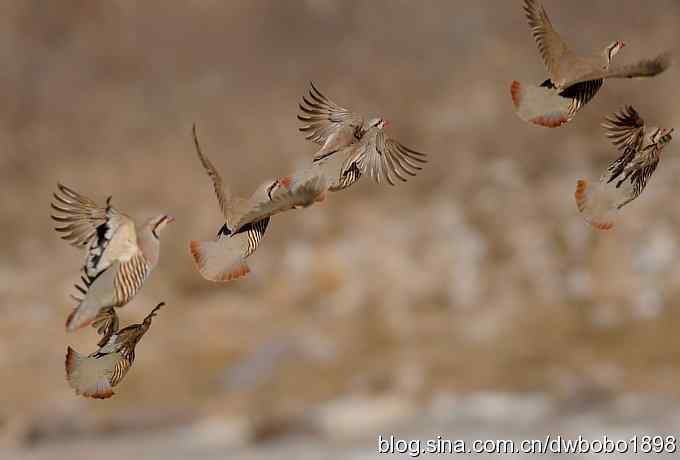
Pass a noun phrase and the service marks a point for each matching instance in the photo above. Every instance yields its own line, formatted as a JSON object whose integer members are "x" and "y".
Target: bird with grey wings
{"x": 246, "y": 220}
{"x": 352, "y": 146}
{"x": 573, "y": 80}
{"x": 626, "y": 177}
{"x": 96, "y": 374}
{"x": 120, "y": 255}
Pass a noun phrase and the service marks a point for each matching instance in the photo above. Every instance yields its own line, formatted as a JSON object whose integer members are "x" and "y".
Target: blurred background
{"x": 470, "y": 302}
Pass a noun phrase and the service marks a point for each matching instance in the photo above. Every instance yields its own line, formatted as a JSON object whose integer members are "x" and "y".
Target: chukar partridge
{"x": 626, "y": 177}
{"x": 573, "y": 80}
{"x": 352, "y": 146}
{"x": 247, "y": 219}
{"x": 96, "y": 375}
{"x": 120, "y": 255}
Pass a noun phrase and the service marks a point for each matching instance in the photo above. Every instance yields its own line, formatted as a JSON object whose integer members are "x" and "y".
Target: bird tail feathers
{"x": 540, "y": 105}
{"x": 88, "y": 376}
{"x": 596, "y": 205}
{"x": 219, "y": 261}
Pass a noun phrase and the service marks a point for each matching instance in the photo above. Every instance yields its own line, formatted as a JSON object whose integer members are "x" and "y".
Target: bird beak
{"x": 386, "y": 123}
{"x": 169, "y": 219}
{"x": 622, "y": 43}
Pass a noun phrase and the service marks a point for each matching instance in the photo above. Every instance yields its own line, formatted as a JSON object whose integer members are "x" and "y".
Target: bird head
{"x": 158, "y": 223}
{"x": 612, "y": 49}
{"x": 147, "y": 321}
{"x": 661, "y": 136}
{"x": 378, "y": 123}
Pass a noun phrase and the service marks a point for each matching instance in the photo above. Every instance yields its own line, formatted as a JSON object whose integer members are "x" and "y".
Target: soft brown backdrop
{"x": 478, "y": 275}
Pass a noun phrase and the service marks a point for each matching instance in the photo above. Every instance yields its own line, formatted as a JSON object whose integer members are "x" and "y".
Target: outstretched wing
{"x": 223, "y": 193}
{"x": 78, "y": 217}
{"x": 289, "y": 192}
{"x": 326, "y": 121}
{"x": 108, "y": 234}
{"x": 645, "y": 68}
{"x": 625, "y": 129}
{"x": 386, "y": 159}
{"x": 550, "y": 45}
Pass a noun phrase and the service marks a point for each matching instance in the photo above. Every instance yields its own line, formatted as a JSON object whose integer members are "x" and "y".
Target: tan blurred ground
{"x": 478, "y": 275}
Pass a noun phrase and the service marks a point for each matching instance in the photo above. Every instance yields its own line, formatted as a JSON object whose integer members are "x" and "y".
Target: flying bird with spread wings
{"x": 352, "y": 146}
{"x": 120, "y": 255}
{"x": 246, "y": 220}
{"x": 573, "y": 80}
{"x": 626, "y": 177}
{"x": 96, "y": 375}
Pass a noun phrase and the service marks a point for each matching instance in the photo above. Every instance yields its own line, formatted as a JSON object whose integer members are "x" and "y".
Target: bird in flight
{"x": 573, "y": 80}
{"x": 96, "y": 375}
{"x": 626, "y": 177}
{"x": 119, "y": 254}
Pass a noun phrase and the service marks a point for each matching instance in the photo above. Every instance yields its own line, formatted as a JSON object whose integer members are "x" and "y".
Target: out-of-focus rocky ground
{"x": 477, "y": 276}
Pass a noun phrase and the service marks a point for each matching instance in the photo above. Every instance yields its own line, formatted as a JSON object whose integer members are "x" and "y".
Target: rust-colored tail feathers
{"x": 596, "y": 206}
{"x": 89, "y": 376}
{"x": 540, "y": 105}
{"x": 219, "y": 261}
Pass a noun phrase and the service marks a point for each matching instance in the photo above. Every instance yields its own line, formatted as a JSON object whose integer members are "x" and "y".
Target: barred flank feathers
{"x": 580, "y": 94}
{"x": 255, "y": 233}
{"x": 130, "y": 277}
{"x": 119, "y": 370}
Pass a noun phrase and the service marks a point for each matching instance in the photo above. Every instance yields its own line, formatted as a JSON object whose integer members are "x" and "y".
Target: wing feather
{"x": 644, "y": 68}
{"x": 221, "y": 191}
{"x": 386, "y": 157}
{"x": 550, "y": 45}
{"x": 108, "y": 234}
{"x": 625, "y": 129}
{"x": 323, "y": 118}
{"x": 298, "y": 190}
{"x": 77, "y": 216}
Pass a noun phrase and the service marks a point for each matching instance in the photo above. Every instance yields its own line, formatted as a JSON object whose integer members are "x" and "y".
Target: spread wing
{"x": 625, "y": 129}
{"x": 550, "y": 45}
{"x": 108, "y": 234}
{"x": 289, "y": 192}
{"x": 223, "y": 193}
{"x": 386, "y": 159}
{"x": 644, "y": 68}
{"x": 324, "y": 119}
{"x": 78, "y": 217}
